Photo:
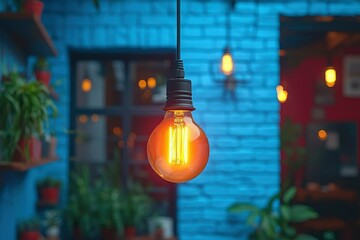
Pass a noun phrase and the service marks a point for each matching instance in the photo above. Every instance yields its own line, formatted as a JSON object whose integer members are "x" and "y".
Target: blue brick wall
{"x": 244, "y": 159}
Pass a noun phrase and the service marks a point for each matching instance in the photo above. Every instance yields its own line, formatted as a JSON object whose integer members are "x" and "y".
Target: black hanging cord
{"x": 178, "y": 89}
{"x": 179, "y": 65}
{"x": 178, "y": 26}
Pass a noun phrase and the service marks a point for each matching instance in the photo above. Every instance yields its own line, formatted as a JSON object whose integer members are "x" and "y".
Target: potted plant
{"x": 48, "y": 190}
{"x": 33, "y": 7}
{"x": 51, "y": 223}
{"x": 41, "y": 71}
{"x": 81, "y": 209}
{"x": 137, "y": 206}
{"x": 109, "y": 204}
{"x": 276, "y": 222}
{"x": 29, "y": 230}
{"x": 24, "y": 112}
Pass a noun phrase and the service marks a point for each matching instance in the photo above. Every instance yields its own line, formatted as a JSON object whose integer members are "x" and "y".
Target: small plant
{"x": 49, "y": 182}
{"x": 273, "y": 223}
{"x": 42, "y": 64}
{"x": 137, "y": 206}
{"x": 109, "y": 206}
{"x": 25, "y": 108}
{"x": 81, "y": 208}
{"x": 29, "y": 225}
{"x": 52, "y": 219}
{"x": 293, "y": 154}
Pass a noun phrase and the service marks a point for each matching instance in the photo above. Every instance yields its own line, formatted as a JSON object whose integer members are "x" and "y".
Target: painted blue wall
{"x": 18, "y": 189}
{"x": 243, "y": 134}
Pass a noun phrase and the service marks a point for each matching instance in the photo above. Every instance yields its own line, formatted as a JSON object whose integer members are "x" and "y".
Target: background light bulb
{"x": 178, "y": 149}
{"x": 281, "y": 94}
{"x": 330, "y": 76}
{"x": 227, "y": 63}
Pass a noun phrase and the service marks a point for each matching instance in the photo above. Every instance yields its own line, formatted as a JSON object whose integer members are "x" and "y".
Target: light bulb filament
{"x": 178, "y": 140}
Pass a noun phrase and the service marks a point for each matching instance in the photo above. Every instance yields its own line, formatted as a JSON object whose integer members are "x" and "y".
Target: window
{"x": 117, "y": 96}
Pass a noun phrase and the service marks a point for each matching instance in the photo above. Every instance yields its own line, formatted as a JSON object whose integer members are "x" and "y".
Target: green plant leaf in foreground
{"x": 301, "y": 213}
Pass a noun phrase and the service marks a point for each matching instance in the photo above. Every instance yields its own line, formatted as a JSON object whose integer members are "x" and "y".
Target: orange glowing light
{"x": 142, "y": 84}
{"x": 83, "y": 119}
{"x": 95, "y": 118}
{"x": 117, "y": 131}
{"x": 330, "y": 76}
{"x": 227, "y": 64}
{"x": 281, "y": 94}
{"x": 86, "y": 85}
{"x": 151, "y": 82}
{"x": 322, "y": 134}
{"x": 178, "y": 149}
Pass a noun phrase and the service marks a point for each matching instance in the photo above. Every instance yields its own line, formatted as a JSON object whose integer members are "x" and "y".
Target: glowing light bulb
{"x": 151, "y": 82}
{"x": 330, "y": 76}
{"x": 281, "y": 94}
{"x": 178, "y": 149}
{"x": 86, "y": 85}
{"x": 322, "y": 134}
{"x": 227, "y": 63}
{"x": 142, "y": 84}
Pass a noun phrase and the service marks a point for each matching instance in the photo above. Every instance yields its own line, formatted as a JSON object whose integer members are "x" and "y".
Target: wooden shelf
{"x": 305, "y": 196}
{"x": 28, "y": 32}
{"x": 323, "y": 224}
{"x": 24, "y": 166}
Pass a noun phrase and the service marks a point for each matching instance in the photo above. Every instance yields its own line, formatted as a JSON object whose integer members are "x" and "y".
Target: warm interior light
{"x": 142, "y": 84}
{"x": 95, "y": 118}
{"x": 281, "y": 94}
{"x": 322, "y": 134}
{"x": 330, "y": 76}
{"x": 86, "y": 85}
{"x": 227, "y": 63}
{"x": 151, "y": 82}
{"x": 83, "y": 119}
{"x": 178, "y": 149}
{"x": 117, "y": 131}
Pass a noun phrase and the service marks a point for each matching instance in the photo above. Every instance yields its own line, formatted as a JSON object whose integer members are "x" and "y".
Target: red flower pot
{"x": 130, "y": 231}
{"x": 34, "y": 7}
{"x": 29, "y": 149}
{"x": 109, "y": 234}
{"x": 30, "y": 235}
{"x": 77, "y": 233}
{"x": 43, "y": 76}
{"x": 49, "y": 194}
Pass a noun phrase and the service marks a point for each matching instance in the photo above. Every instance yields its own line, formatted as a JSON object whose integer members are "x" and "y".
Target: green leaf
{"x": 252, "y": 217}
{"x": 289, "y": 231}
{"x": 301, "y": 213}
{"x": 289, "y": 195}
{"x": 242, "y": 207}
{"x": 285, "y": 212}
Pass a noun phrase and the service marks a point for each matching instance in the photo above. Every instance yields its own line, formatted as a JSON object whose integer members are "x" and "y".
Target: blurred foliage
{"x": 49, "y": 182}
{"x": 293, "y": 154}
{"x": 25, "y": 108}
{"x": 32, "y": 224}
{"x": 275, "y": 220}
{"x": 101, "y": 202}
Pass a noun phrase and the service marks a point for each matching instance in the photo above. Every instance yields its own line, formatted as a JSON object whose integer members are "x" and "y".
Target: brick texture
{"x": 243, "y": 134}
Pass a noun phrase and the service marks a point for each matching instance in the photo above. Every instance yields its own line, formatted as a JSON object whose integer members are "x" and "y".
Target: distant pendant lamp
{"x": 282, "y": 94}
{"x": 330, "y": 74}
{"x": 86, "y": 83}
{"x": 227, "y": 64}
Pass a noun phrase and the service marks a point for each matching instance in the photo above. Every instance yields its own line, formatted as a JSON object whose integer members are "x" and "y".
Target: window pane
{"x": 98, "y": 138}
{"x": 99, "y": 83}
{"x": 149, "y": 81}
